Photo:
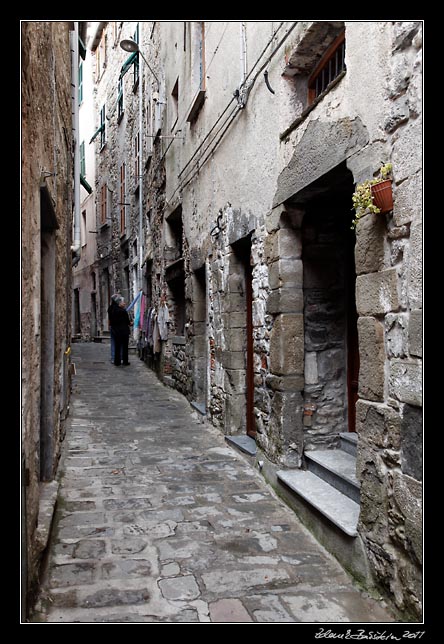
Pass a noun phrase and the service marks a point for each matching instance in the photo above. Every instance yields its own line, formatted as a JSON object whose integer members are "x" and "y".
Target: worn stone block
{"x": 235, "y": 413}
{"x": 115, "y": 597}
{"x": 285, "y": 300}
{"x": 378, "y": 425}
{"x": 407, "y": 492}
{"x": 291, "y": 272}
{"x": 373, "y": 494}
{"x": 235, "y": 340}
{"x": 235, "y": 381}
{"x": 285, "y": 272}
{"x": 233, "y": 359}
{"x": 287, "y": 345}
{"x": 414, "y": 271}
{"x": 240, "y": 224}
{"x": 283, "y": 244}
{"x": 369, "y": 248}
{"x": 377, "y": 293}
{"x": 407, "y": 152}
{"x": 179, "y": 587}
{"x": 372, "y": 356}
{"x": 235, "y": 302}
{"x": 289, "y": 243}
{"x": 407, "y": 200}
{"x": 405, "y": 33}
{"x": 236, "y": 283}
{"x": 272, "y": 219}
{"x": 415, "y": 333}
{"x": 285, "y": 383}
{"x": 396, "y": 334}
{"x": 405, "y": 382}
{"x": 311, "y": 368}
{"x": 323, "y": 146}
{"x": 234, "y": 320}
{"x": 411, "y": 442}
{"x": 228, "y": 610}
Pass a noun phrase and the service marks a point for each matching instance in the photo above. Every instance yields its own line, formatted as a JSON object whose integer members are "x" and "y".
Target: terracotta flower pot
{"x": 383, "y": 196}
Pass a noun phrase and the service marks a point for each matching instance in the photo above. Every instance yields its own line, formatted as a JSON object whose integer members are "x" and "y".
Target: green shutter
{"x": 127, "y": 64}
{"x": 97, "y": 132}
{"x": 82, "y": 48}
{"x": 85, "y": 184}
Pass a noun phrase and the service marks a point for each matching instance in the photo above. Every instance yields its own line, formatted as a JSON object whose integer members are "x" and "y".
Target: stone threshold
{"x": 245, "y": 443}
{"x": 335, "y": 506}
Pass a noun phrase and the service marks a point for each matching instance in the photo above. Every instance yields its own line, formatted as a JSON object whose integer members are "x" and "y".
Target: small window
{"x": 103, "y": 204}
{"x": 82, "y": 159}
{"x": 175, "y": 104}
{"x": 101, "y": 56}
{"x": 198, "y": 69}
{"x": 328, "y": 68}
{"x": 102, "y": 127}
{"x": 83, "y": 228}
{"x": 120, "y": 99}
{"x": 122, "y": 199}
{"x": 137, "y": 159}
{"x": 80, "y": 83}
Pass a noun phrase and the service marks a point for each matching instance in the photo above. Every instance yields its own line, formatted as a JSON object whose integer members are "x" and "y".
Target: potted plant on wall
{"x": 374, "y": 195}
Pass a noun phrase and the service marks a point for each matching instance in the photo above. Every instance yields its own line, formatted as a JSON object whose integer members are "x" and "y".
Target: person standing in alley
{"x": 120, "y": 327}
{"x": 111, "y": 306}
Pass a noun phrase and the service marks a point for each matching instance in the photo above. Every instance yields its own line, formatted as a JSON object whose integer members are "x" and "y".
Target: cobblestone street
{"x": 158, "y": 520}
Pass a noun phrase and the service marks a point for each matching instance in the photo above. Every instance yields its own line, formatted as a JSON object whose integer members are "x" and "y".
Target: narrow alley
{"x": 158, "y": 520}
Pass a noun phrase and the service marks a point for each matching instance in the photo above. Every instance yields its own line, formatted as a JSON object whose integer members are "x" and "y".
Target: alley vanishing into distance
{"x": 159, "y": 520}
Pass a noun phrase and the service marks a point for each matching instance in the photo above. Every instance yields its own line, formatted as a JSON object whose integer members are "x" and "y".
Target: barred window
{"x": 328, "y": 68}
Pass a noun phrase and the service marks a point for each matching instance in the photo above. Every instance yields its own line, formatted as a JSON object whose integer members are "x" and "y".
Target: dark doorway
{"x": 93, "y": 327}
{"x": 76, "y": 306}
{"x": 48, "y": 224}
{"x": 241, "y": 299}
{"x": 330, "y": 318}
{"x": 200, "y": 339}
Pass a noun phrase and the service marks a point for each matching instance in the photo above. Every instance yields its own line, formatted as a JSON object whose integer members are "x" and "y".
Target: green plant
{"x": 362, "y": 197}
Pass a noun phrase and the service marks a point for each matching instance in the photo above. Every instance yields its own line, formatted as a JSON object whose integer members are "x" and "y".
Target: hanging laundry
{"x": 163, "y": 321}
{"x": 130, "y": 306}
{"x": 142, "y": 310}
{"x": 156, "y": 336}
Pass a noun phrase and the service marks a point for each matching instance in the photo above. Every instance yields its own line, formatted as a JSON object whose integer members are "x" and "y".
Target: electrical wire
{"x": 200, "y": 162}
{"x": 232, "y": 99}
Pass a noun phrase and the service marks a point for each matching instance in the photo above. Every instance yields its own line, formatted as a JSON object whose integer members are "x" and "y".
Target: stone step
{"x": 335, "y": 506}
{"x": 349, "y": 442}
{"x": 244, "y": 443}
{"x": 336, "y": 467}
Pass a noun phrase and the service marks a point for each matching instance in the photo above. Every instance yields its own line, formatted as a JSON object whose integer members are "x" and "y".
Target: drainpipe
{"x": 74, "y": 42}
{"x": 141, "y": 168}
{"x": 243, "y": 28}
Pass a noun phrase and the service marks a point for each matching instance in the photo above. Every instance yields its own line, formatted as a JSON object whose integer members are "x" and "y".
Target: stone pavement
{"x": 158, "y": 520}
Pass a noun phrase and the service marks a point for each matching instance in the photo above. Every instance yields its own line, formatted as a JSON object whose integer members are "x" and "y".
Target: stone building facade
{"x": 285, "y": 324}
{"x": 85, "y": 300}
{"x": 46, "y": 239}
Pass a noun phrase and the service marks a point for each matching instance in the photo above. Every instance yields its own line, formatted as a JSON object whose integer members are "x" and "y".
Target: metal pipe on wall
{"x": 74, "y": 42}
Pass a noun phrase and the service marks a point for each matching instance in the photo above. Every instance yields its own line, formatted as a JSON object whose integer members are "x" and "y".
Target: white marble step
{"x": 349, "y": 442}
{"x": 334, "y": 505}
{"x": 337, "y": 468}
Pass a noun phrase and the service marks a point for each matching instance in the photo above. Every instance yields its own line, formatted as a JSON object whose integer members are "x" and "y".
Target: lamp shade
{"x": 129, "y": 45}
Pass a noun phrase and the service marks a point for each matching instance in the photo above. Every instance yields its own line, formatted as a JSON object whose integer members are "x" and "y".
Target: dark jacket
{"x": 119, "y": 319}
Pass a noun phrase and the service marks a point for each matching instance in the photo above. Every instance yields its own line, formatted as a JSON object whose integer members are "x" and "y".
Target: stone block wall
{"x": 47, "y": 185}
{"x": 389, "y": 302}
